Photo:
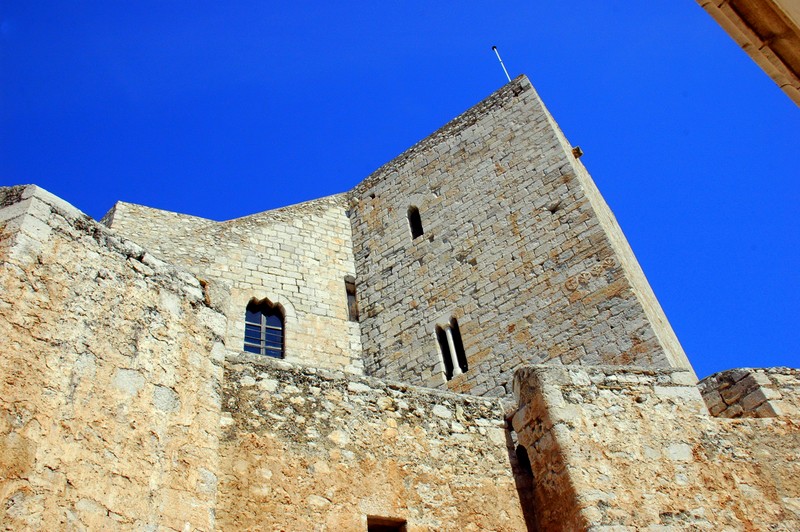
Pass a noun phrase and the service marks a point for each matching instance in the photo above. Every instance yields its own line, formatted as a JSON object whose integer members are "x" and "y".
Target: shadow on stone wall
{"x": 523, "y": 478}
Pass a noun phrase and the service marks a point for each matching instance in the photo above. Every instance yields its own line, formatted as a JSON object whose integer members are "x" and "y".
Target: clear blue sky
{"x": 223, "y": 109}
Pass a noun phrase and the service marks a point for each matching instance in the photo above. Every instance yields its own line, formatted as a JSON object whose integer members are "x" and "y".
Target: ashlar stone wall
{"x": 308, "y": 449}
{"x": 518, "y": 246}
{"x": 110, "y": 378}
{"x": 619, "y": 449}
{"x": 297, "y": 257}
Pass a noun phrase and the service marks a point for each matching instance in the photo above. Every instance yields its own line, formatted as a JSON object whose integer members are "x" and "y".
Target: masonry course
{"x": 127, "y": 402}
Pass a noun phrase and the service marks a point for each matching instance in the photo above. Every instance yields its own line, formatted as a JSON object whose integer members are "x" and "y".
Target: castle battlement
{"x": 464, "y": 341}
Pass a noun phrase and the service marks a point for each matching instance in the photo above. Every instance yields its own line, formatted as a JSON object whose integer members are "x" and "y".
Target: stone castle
{"x": 464, "y": 341}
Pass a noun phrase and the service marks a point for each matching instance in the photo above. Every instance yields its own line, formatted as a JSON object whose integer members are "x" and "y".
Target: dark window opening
{"x": 525, "y": 482}
{"x": 385, "y": 524}
{"x": 452, "y": 349}
{"x": 352, "y": 303}
{"x": 263, "y": 329}
{"x": 461, "y": 356}
{"x": 414, "y": 222}
{"x": 523, "y": 460}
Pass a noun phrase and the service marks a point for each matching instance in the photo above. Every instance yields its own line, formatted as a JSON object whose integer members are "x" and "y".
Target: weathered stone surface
{"x": 617, "y": 454}
{"x": 109, "y": 401}
{"x": 753, "y": 392}
{"x": 321, "y": 452}
{"x": 113, "y": 398}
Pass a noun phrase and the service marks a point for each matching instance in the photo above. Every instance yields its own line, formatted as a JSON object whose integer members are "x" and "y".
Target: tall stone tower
{"x": 492, "y": 224}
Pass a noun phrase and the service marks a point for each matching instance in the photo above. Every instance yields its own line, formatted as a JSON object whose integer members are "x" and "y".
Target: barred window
{"x": 263, "y": 329}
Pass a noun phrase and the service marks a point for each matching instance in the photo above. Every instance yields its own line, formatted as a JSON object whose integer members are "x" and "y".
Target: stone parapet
{"x": 753, "y": 392}
{"x": 308, "y": 449}
{"x": 636, "y": 449}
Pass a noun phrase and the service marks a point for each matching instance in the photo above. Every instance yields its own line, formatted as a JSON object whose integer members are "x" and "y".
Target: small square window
{"x": 385, "y": 524}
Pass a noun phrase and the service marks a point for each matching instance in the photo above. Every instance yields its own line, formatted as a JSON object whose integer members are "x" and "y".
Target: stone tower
{"x": 518, "y": 246}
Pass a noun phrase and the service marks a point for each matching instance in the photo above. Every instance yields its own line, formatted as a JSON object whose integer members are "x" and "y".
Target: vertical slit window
{"x": 414, "y": 222}
{"x": 452, "y": 349}
{"x": 352, "y": 303}
{"x": 441, "y": 337}
{"x": 263, "y": 329}
{"x": 461, "y": 356}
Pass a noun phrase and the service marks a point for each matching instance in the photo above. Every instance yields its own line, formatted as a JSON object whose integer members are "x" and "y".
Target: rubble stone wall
{"x": 297, "y": 257}
{"x": 753, "y": 392}
{"x": 518, "y": 246}
{"x": 308, "y": 449}
{"x": 110, "y": 378}
{"x": 637, "y": 448}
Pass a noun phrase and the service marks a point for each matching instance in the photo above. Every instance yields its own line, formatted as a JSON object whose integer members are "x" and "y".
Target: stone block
{"x": 683, "y": 393}
{"x": 714, "y": 402}
{"x": 737, "y": 391}
{"x": 752, "y": 400}
{"x": 684, "y": 378}
{"x": 767, "y": 410}
{"x": 679, "y": 452}
{"x": 732, "y": 411}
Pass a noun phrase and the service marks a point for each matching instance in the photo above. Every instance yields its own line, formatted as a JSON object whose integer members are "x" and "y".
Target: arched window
{"x": 524, "y": 460}
{"x": 263, "y": 329}
{"x": 414, "y": 222}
